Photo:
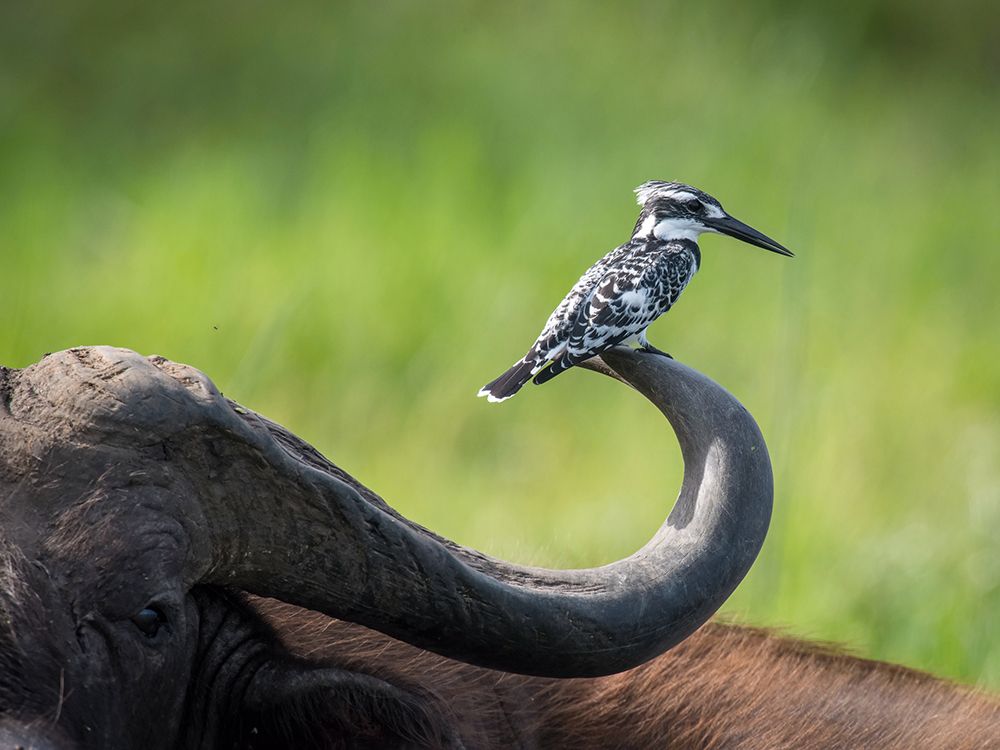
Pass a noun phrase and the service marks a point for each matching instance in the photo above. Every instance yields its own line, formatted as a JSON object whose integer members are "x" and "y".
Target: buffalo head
{"x": 137, "y": 506}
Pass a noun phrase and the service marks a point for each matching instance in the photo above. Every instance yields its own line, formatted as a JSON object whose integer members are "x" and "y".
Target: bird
{"x": 618, "y": 297}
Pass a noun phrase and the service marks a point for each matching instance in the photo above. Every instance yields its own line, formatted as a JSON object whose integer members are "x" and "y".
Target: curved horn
{"x": 277, "y": 519}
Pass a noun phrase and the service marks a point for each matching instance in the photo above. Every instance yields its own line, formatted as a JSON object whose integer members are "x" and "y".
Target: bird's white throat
{"x": 676, "y": 228}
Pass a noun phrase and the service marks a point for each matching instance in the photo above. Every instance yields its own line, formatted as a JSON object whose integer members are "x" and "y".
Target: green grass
{"x": 351, "y": 220}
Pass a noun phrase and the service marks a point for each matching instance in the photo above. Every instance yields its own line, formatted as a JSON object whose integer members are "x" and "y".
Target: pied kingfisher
{"x": 630, "y": 287}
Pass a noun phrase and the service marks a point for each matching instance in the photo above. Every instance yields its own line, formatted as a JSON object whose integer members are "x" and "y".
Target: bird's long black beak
{"x": 739, "y": 230}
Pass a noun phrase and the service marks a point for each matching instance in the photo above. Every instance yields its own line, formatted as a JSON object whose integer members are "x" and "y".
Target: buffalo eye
{"x": 694, "y": 206}
{"x": 149, "y": 620}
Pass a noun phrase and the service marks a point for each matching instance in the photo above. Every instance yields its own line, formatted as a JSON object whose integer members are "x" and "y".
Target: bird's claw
{"x": 650, "y": 349}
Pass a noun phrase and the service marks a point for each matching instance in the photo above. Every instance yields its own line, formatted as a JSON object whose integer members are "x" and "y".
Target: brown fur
{"x": 725, "y": 687}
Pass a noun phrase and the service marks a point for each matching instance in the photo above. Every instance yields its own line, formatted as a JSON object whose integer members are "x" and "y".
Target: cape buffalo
{"x": 178, "y": 572}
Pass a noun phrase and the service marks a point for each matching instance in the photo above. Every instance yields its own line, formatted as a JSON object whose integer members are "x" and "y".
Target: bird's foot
{"x": 650, "y": 349}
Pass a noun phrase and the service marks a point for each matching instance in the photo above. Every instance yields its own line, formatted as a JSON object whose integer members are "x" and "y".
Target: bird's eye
{"x": 694, "y": 206}
{"x": 149, "y": 620}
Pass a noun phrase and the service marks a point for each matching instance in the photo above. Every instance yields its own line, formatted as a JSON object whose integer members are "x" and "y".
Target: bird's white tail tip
{"x": 484, "y": 392}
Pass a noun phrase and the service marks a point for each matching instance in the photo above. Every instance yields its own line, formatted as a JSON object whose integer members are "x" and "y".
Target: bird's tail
{"x": 505, "y": 386}
{"x": 560, "y": 365}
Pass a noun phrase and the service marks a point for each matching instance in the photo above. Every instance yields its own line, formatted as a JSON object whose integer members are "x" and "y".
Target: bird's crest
{"x": 654, "y": 189}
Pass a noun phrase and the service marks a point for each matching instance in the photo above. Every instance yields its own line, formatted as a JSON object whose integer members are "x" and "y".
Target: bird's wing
{"x": 630, "y": 296}
{"x": 555, "y": 333}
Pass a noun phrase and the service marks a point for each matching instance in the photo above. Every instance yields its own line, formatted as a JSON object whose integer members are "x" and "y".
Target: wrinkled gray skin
{"x": 130, "y": 484}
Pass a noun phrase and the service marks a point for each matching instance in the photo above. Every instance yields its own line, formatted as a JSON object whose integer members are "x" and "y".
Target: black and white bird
{"x": 630, "y": 287}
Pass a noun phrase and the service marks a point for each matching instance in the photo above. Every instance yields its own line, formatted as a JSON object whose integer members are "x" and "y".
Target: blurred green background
{"x": 352, "y": 216}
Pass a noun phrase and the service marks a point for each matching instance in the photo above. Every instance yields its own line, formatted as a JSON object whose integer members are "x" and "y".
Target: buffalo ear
{"x": 295, "y": 704}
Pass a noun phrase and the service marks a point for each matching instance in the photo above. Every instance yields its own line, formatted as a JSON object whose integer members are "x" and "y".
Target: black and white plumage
{"x": 630, "y": 287}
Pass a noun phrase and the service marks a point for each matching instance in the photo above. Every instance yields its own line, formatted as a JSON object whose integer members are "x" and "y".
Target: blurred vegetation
{"x": 353, "y": 215}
